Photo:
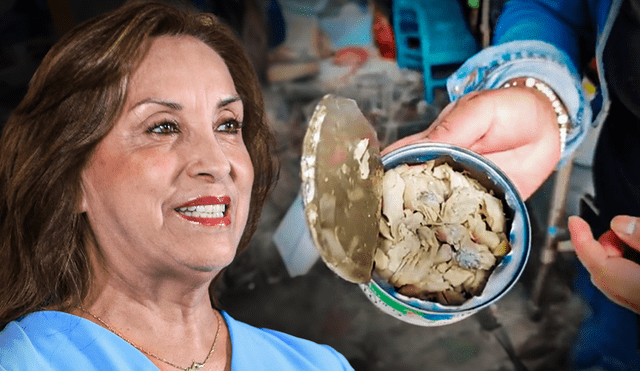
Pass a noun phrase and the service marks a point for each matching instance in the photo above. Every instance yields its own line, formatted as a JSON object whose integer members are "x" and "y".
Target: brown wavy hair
{"x": 72, "y": 102}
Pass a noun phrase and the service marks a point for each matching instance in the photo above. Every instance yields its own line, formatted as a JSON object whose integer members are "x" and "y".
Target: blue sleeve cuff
{"x": 494, "y": 66}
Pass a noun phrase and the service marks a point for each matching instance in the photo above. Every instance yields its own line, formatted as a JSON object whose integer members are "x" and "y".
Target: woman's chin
{"x": 208, "y": 262}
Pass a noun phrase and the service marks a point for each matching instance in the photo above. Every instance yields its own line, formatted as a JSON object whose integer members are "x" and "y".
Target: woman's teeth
{"x": 203, "y": 211}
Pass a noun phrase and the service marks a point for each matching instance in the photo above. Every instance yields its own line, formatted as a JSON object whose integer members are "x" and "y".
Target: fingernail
{"x": 624, "y": 224}
{"x": 573, "y": 217}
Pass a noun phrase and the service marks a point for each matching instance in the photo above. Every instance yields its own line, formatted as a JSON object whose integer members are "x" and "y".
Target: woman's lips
{"x": 208, "y": 200}
{"x": 208, "y": 211}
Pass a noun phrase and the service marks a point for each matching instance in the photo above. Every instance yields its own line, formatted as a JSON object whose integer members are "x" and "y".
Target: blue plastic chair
{"x": 432, "y": 35}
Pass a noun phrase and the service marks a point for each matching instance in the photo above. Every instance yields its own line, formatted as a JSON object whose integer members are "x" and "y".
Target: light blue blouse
{"x": 48, "y": 341}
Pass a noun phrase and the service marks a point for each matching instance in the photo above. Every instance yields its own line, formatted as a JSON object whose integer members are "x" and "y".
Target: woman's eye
{"x": 230, "y": 126}
{"x": 165, "y": 127}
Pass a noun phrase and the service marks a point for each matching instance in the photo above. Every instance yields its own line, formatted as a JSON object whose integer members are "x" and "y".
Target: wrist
{"x": 562, "y": 117}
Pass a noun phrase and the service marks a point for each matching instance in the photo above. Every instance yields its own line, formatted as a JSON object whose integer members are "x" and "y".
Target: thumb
{"x": 627, "y": 228}
{"x": 464, "y": 122}
{"x": 420, "y": 137}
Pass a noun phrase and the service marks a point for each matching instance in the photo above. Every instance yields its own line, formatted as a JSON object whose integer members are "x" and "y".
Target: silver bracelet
{"x": 561, "y": 115}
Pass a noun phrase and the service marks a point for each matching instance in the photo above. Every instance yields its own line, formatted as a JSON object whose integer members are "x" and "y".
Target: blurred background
{"x": 392, "y": 57}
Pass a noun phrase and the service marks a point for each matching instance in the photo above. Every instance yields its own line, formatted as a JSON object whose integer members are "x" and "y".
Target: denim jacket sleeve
{"x": 494, "y": 66}
{"x": 538, "y": 39}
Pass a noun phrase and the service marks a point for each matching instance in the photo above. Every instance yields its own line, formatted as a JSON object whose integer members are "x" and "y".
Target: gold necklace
{"x": 195, "y": 366}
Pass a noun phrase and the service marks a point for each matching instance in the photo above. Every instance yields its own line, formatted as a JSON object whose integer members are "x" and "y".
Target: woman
{"x": 132, "y": 173}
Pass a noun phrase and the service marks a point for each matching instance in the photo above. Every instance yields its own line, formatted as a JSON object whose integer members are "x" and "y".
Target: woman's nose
{"x": 207, "y": 158}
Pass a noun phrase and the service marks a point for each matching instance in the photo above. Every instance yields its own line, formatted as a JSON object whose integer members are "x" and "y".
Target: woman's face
{"x": 170, "y": 184}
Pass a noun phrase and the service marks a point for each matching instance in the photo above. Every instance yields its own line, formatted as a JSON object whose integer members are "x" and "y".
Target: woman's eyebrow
{"x": 177, "y": 106}
{"x": 228, "y": 101}
{"x": 172, "y": 105}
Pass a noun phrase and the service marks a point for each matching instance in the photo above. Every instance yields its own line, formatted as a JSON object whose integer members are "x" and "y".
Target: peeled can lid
{"x": 342, "y": 187}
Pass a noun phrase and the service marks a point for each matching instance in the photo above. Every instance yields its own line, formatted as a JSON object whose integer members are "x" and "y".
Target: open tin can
{"x": 342, "y": 194}
{"x": 504, "y": 276}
